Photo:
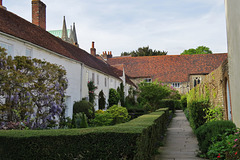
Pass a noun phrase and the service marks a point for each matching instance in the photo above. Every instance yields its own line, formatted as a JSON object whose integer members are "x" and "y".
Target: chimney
{"x": 109, "y": 54}
{"x": 39, "y": 13}
{"x": 93, "y": 50}
{"x": 1, "y": 6}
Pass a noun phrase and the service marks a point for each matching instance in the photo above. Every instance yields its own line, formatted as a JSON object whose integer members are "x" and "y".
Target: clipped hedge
{"x": 171, "y": 104}
{"x": 135, "y": 139}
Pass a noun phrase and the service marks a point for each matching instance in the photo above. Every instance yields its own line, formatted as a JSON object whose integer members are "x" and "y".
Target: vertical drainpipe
{"x": 81, "y": 80}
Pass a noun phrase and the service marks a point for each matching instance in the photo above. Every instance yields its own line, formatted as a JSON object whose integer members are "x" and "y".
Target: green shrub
{"x": 197, "y": 113}
{"x": 119, "y": 114}
{"x": 206, "y": 132}
{"x": 85, "y": 107}
{"x": 184, "y": 101}
{"x": 101, "y": 100}
{"x": 186, "y": 112}
{"x": 177, "y": 104}
{"x": 81, "y": 120}
{"x": 121, "y": 94}
{"x": 167, "y": 103}
{"x": 113, "y": 97}
{"x": 102, "y": 119}
{"x": 135, "y": 139}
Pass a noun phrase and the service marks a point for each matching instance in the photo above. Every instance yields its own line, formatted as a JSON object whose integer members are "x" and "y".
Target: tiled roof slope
{"x": 169, "y": 68}
{"x": 20, "y": 28}
{"x": 118, "y": 69}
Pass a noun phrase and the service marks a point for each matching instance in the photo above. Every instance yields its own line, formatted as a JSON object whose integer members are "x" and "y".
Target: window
{"x": 176, "y": 85}
{"x": 196, "y": 81}
{"x": 148, "y": 80}
{"x": 28, "y": 52}
{"x": 105, "y": 81}
{"x": 8, "y": 47}
{"x": 86, "y": 75}
{"x": 93, "y": 77}
{"x": 97, "y": 79}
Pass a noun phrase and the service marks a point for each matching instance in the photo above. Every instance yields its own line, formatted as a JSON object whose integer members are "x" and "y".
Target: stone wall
{"x": 214, "y": 84}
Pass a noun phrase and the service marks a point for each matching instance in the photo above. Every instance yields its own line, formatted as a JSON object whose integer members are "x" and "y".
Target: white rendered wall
{"x": 232, "y": 8}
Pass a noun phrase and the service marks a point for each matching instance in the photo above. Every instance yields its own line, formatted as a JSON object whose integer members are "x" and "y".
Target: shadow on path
{"x": 181, "y": 143}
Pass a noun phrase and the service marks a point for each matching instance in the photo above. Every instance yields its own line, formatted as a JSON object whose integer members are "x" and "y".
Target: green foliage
{"x": 33, "y": 91}
{"x": 121, "y": 93}
{"x": 197, "y": 113}
{"x": 101, "y": 100}
{"x": 144, "y": 51}
{"x": 198, "y": 50}
{"x": 113, "y": 97}
{"x": 186, "y": 112}
{"x": 152, "y": 93}
{"x": 169, "y": 103}
{"x": 184, "y": 101}
{"x": 84, "y": 107}
{"x": 135, "y": 140}
{"x": 130, "y": 99}
{"x": 119, "y": 114}
{"x": 91, "y": 89}
{"x": 80, "y": 120}
{"x": 102, "y": 119}
{"x": 206, "y": 132}
{"x": 214, "y": 113}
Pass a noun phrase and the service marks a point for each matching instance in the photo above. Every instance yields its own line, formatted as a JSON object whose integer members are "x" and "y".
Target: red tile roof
{"x": 18, "y": 27}
{"x": 118, "y": 69}
{"x": 169, "y": 68}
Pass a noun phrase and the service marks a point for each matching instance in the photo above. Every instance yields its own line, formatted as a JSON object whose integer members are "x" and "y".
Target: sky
{"x": 125, "y": 25}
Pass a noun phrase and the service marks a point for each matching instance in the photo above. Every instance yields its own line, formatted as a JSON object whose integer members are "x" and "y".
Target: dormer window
{"x": 176, "y": 85}
{"x": 148, "y": 80}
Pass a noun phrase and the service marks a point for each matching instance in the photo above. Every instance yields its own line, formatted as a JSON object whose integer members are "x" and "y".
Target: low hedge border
{"x": 136, "y": 139}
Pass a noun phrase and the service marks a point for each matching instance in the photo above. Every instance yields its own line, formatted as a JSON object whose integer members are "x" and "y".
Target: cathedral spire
{"x": 64, "y": 30}
{"x": 74, "y": 35}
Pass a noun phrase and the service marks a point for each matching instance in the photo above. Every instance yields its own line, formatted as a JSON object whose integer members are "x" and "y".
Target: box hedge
{"x": 136, "y": 139}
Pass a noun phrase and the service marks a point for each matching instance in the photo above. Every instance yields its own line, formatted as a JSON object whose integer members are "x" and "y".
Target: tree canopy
{"x": 144, "y": 51}
{"x": 198, "y": 50}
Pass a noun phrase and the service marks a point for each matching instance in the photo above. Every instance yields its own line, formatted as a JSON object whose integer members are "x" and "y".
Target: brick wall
{"x": 39, "y": 13}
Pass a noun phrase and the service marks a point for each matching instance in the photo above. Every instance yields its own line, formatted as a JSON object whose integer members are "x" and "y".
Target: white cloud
{"x": 125, "y": 25}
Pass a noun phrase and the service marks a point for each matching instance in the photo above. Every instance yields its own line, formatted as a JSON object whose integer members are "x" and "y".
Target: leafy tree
{"x": 121, "y": 93}
{"x": 152, "y": 93}
{"x": 101, "y": 100}
{"x": 198, "y": 50}
{"x": 113, "y": 97}
{"x": 130, "y": 99}
{"x": 32, "y": 91}
{"x": 144, "y": 51}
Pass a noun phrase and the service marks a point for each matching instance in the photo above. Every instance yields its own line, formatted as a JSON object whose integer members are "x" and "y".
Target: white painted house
{"x": 23, "y": 38}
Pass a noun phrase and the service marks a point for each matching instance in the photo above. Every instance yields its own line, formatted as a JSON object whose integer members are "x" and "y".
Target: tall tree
{"x": 144, "y": 51}
{"x": 198, "y": 50}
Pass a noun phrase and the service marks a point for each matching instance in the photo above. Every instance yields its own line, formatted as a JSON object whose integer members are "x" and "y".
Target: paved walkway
{"x": 181, "y": 143}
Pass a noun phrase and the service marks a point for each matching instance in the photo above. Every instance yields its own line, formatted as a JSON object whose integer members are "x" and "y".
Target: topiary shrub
{"x": 208, "y": 131}
{"x": 85, "y": 107}
{"x": 177, "y": 105}
{"x": 196, "y": 113}
{"x": 119, "y": 114}
{"x": 113, "y": 97}
{"x": 101, "y": 100}
{"x": 167, "y": 103}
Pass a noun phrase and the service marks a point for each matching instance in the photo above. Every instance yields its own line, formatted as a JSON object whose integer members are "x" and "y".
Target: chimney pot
{"x": 93, "y": 50}
{"x": 39, "y": 13}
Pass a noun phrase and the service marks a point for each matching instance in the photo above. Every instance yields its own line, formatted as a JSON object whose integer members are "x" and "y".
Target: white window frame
{"x": 176, "y": 84}
{"x": 9, "y": 48}
{"x": 93, "y": 77}
{"x": 30, "y": 52}
{"x": 148, "y": 80}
